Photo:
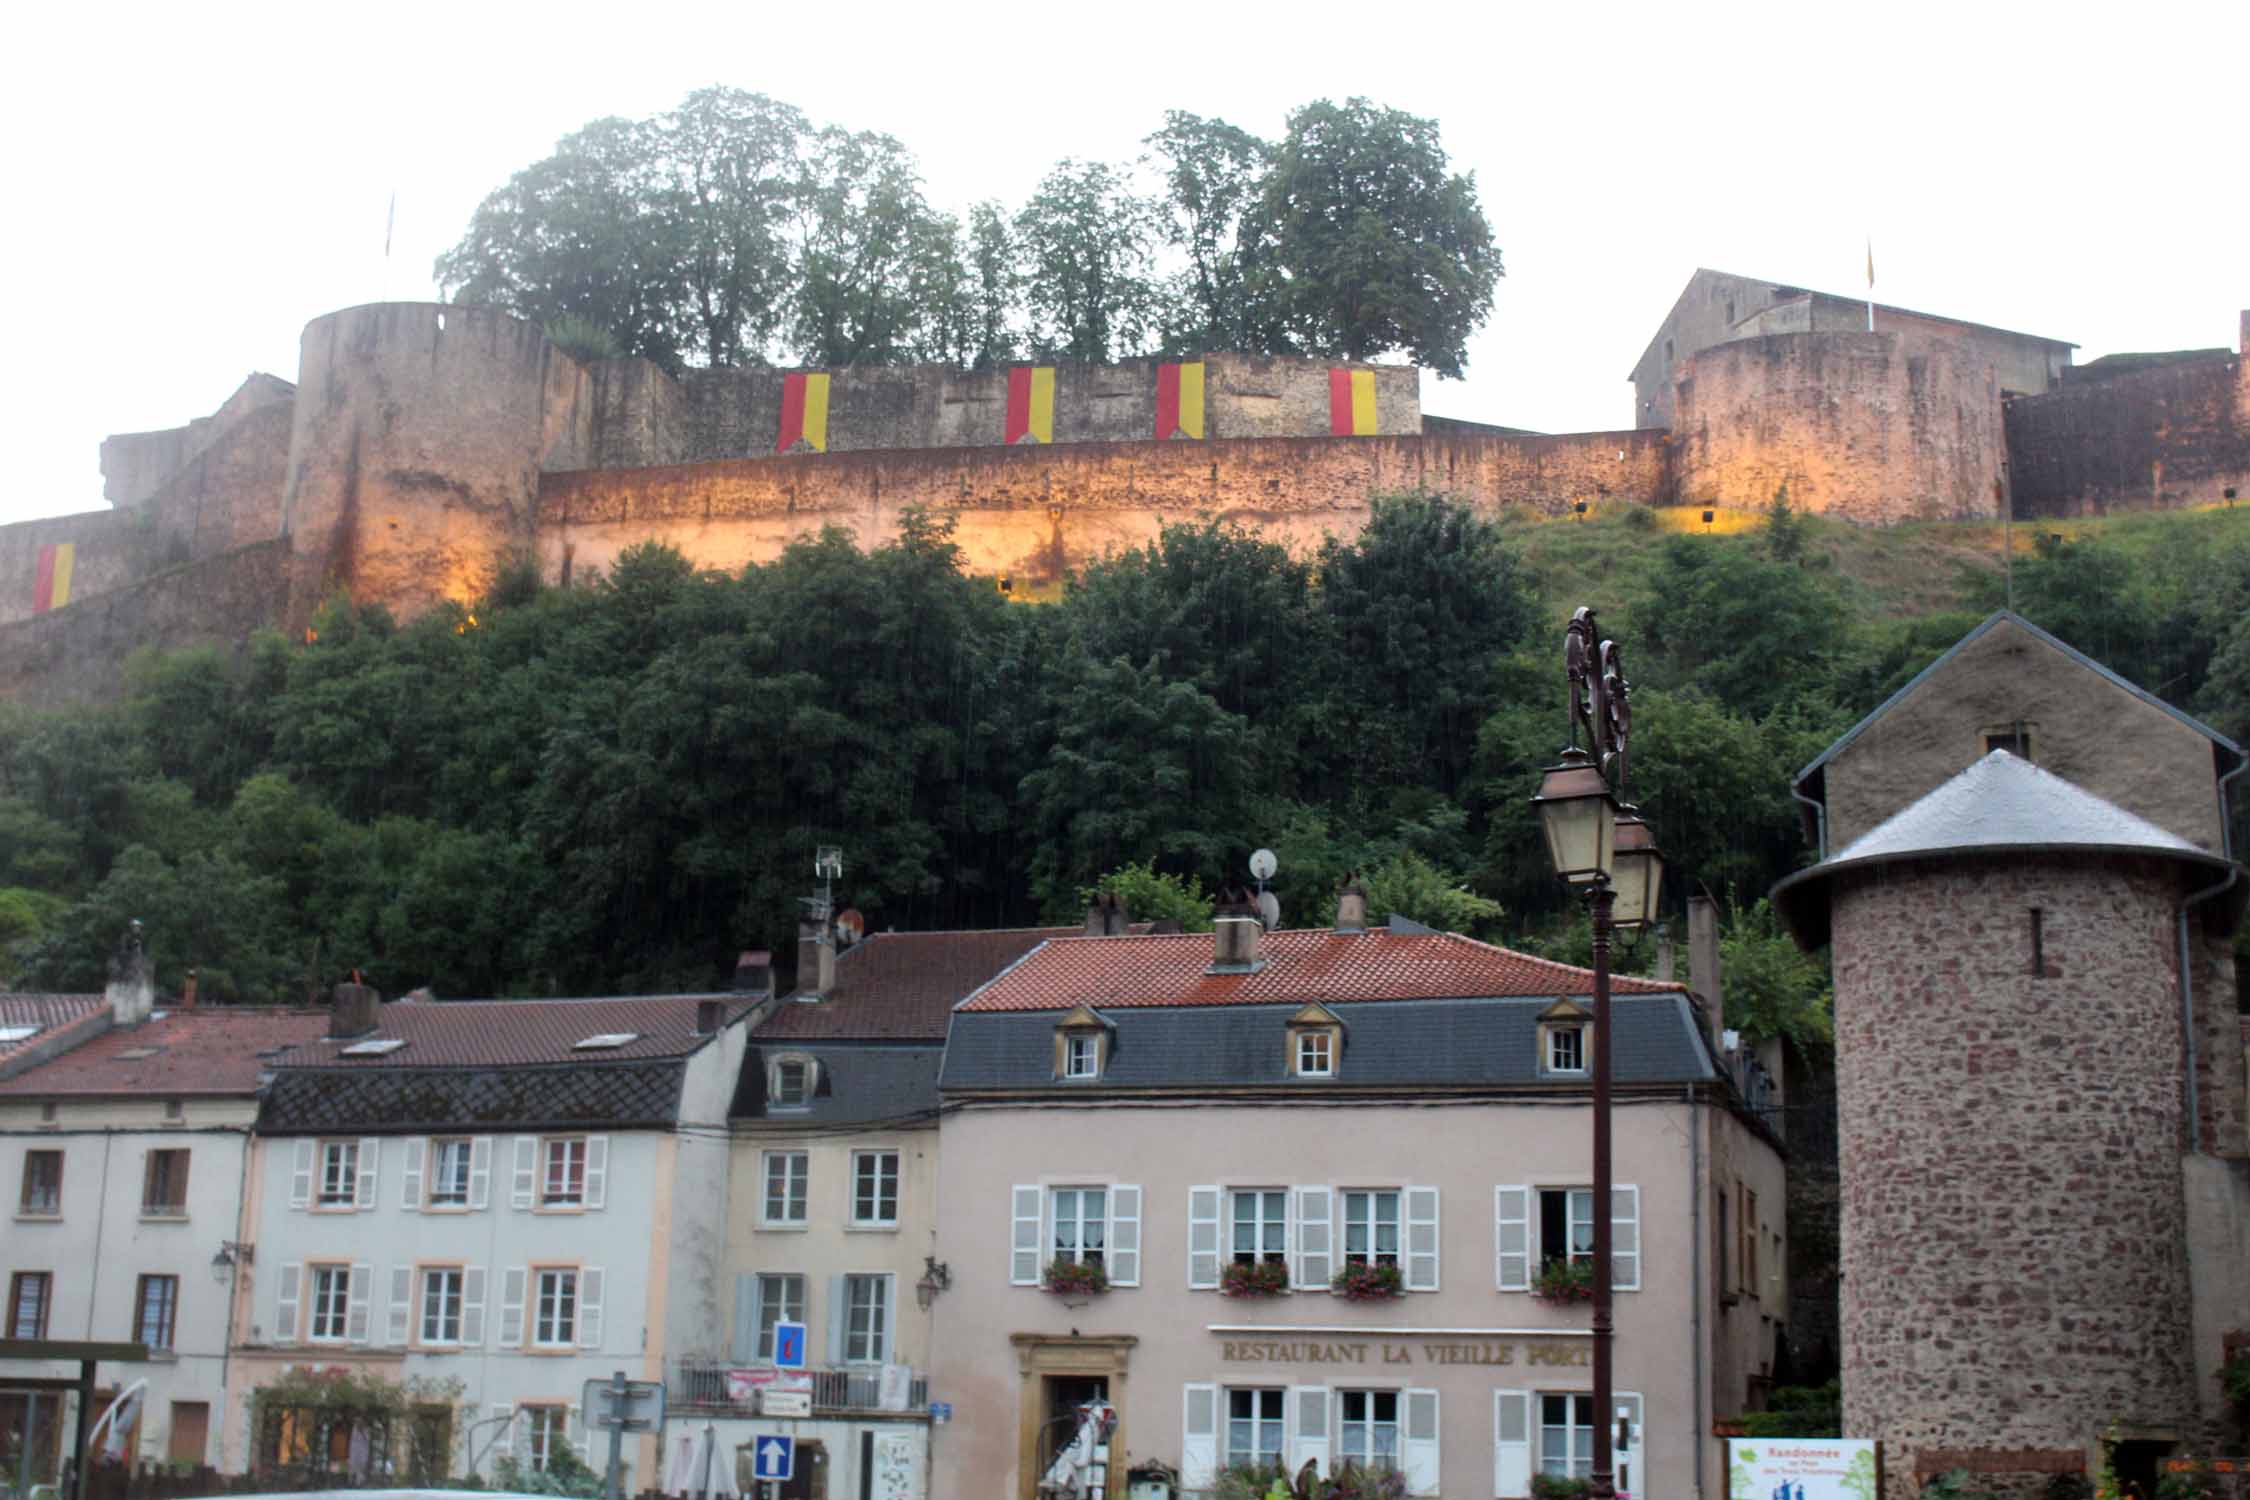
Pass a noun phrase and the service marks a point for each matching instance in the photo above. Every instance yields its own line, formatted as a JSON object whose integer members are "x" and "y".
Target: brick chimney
{"x": 131, "y": 990}
{"x": 187, "y": 991}
{"x": 816, "y": 959}
{"x": 753, "y": 973}
{"x": 710, "y": 1015}
{"x": 1236, "y": 930}
{"x": 1705, "y": 978}
{"x": 1351, "y": 905}
{"x": 1107, "y": 916}
{"x": 355, "y": 1011}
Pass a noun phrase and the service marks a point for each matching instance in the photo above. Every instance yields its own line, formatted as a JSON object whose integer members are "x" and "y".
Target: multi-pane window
{"x": 1261, "y": 1226}
{"x": 781, "y": 1299}
{"x": 164, "y": 1184}
{"x": 1254, "y": 1426}
{"x": 792, "y": 1083}
{"x": 441, "y": 1305}
{"x": 786, "y": 1177}
{"x": 1566, "y": 1436}
{"x": 29, "y": 1295}
{"x": 42, "y": 1183}
{"x": 1566, "y": 1224}
{"x": 867, "y": 1308}
{"x": 874, "y": 1187}
{"x": 1566, "y": 1049}
{"x": 563, "y": 1184}
{"x": 1369, "y": 1431}
{"x": 555, "y": 1323}
{"x": 449, "y": 1172}
{"x": 1081, "y": 1217}
{"x": 156, "y": 1308}
{"x": 1371, "y": 1228}
{"x": 546, "y": 1434}
{"x": 339, "y": 1174}
{"x": 331, "y": 1302}
{"x": 1081, "y": 1056}
{"x": 1316, "y": 1054}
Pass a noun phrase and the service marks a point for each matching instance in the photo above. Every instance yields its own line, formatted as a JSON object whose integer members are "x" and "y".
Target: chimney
{"x": 1704, "y": 976}
{"x": 1665, "y": 967}
{"x": 355, "y": 1011}
{"x": 1236, "y": 945}
{"x": 1351, "y": 905}
{"x": 753, "y": 973}
{"x": 1097, "y": 916}
{"x": 1117, "y": 919}
{"x": 816, "y": 959}
{"x": 710, "y": 1015}
{"x": 132, "y": 986}
{"x": 187, "y": 991}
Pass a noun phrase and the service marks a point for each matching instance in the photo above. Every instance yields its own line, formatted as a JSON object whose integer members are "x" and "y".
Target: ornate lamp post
{"x": 1607, "y": 851}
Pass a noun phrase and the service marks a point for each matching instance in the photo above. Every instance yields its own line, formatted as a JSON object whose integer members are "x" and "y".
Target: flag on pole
{"x": 391, "y": 222}
{"x": 1871, "y": 263}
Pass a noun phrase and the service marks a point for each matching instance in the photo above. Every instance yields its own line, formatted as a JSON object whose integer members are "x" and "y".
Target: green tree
{"x": 1375, "y": 246}
{"x": 874, "y": 263}
{"x": 731, "y": 173}
{"x": 1214, "y": 176}
{"x": 209, "y": 911}
{"x": 1407, "y": 885}
{"x": 1086, "y": 240}
{"x": 1151, "y": 895}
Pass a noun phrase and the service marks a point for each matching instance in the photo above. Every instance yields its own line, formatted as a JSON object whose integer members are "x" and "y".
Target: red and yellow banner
{"x": 804, "y": 412}
{"x": 1179, "y": 400}
{"x": 52, "y": 589}
{"x": 1031, "y": 404}
{"x": 1351, "y": 403}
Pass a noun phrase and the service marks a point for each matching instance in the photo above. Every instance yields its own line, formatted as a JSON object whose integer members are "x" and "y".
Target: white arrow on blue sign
{"x": 789, "y": 1346}
{"x": 776, "y": 1458}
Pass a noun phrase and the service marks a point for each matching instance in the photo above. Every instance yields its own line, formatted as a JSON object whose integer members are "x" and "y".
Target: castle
{"x": 424, "y": 445}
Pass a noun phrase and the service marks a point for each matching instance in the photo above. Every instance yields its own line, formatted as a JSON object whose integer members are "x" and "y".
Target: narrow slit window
{"x": 2038, "y": 943}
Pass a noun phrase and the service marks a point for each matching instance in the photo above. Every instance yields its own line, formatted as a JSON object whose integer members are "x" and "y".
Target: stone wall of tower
{"x": 2015, "y": 1268}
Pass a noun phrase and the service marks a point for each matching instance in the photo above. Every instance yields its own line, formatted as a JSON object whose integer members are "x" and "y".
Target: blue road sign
{"x": 789, "y": 1346}
{"x": 776, "y": 1458}
{"x": 941, "y": 1411}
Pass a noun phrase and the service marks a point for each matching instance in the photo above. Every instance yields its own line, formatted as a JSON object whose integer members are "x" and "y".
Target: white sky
{"x": 190, "y": 185}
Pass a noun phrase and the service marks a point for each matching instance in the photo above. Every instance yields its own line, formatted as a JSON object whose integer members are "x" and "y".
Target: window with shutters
{"x": 29, "y": 1295}
{"x": 781, "y": 1299}
{"x": 1260, "y": 1226}
{"x": 1566, "y": 1436}
{"x": 546, "y": 1432}
{"x": 1254, "y": 1425}
{"x": 448, "y": 1185}
{"x": 562, "y": 1183}
{"x": 1371, "y": 1227}
{"x": 164, "y": 1185}
{"x": 156, "y": 1310}
{"x": 788, "y": 1176}
{"x": 1749, "y": 1257}
{"x": 874, "y": 1189}
{"x": 331, "y": 1303}
{"x": 1566, "y": 1224}
{"x": 554, "y": 1321}
{"x": 1079, "y": 1217}
{"x": 867, "y": 1318}
{"x": 1367, "y": 1431}
{"x": 441, "y": 1305}
{"x": 339, "y": 1175}
{"x": 41, "y": 1197}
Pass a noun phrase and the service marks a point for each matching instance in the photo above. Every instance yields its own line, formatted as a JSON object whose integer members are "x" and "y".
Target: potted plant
{"x": 1564, "y": 1280}
{"x": 1368, "y": 1283}
{"x": 1265, "y": 1278}
{"x": 1074, "y": 1278}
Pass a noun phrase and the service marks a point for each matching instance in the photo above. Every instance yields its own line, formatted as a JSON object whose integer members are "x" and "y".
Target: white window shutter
{"x": 1418, "y": 1444}
{"x": 1308, "y": 1427}
{"x": 1316, "y": 1237}
{"x": 1023, "y": 1240}
{"x": 505, "y": 1443}
{"x": 839, "y": 1320}
{"x": 597, "y": 1171}
{"x": 1125, "y": 1236}
{"x": 1204, "y": 1259}
{"x": 888, "y": 1344}
{"x": 356, "y": 1325}
{"x": 301, "y": 1175}
{"x": 285, "y": 1304}
{"x": 590, "y": 1307}
{"x": 410, "y": 1173}
{"x": 1625, "y": 1239}
{"x": 513, "y": 1281}
{"x": 1421, "y": 1239}
{"x": 527, "y": 1164}
{"x": 1511, "y": 1445}
{"x": 1199, "y": 1438}
{"x": 472, "y": 1307}
{"x": 370, "y": 1159}
{"x": 1630, "y": 1466}
{"x": 1511, "y": 1238}
{"x": 401, "y": 1321}
{"x": 746, "y": 1297}
{"x": 480, "y": 1171}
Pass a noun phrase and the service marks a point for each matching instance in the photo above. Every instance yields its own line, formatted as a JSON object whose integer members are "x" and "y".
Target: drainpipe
{"x": 1820, "y": 815}
{"x": 2187, "y": 974}
{"x": 1696, "y": 1422}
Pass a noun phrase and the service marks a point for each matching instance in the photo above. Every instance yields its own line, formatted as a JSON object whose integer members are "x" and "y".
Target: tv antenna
{"x": 828, "y": 868}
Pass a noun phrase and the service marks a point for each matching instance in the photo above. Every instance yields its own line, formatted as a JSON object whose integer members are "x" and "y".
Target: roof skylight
{"x": 605, "y": 1041}
{"x": 381, "y": 1046}
{"x": 135, "y": 1054}
{"x": 17, "y": 1033}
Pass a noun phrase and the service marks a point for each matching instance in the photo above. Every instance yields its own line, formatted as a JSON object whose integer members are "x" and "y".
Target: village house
{"x": 1294, "y": 1196}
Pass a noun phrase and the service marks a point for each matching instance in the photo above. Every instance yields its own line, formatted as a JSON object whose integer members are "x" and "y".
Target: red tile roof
{"x": 1300, "y": 966}
{"x": 205, "y": 1050}
{"x": 58, "y": 1017}
{"x": 902, "y": 986}
{"x": 516, "y": 1033}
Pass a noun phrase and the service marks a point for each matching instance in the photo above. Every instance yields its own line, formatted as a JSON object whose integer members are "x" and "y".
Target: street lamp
{"x": 1611, "y": 854}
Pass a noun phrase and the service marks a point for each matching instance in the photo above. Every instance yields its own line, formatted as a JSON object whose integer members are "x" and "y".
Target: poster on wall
{"x": 1800, "y": 1469}
{"x": 898, "y": 1467}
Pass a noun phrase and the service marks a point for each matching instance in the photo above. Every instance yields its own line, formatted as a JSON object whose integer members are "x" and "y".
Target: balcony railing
{"x": 703, "y": 1385}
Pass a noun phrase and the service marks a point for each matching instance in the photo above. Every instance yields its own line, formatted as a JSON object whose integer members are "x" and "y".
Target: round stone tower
{"x": 2010, "y": 1108}
{"x": 421, "y": 431}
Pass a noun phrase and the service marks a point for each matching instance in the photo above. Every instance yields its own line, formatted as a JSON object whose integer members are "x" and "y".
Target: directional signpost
{"x": 775, "y": 1459}
{"x": 622, "y": 1406}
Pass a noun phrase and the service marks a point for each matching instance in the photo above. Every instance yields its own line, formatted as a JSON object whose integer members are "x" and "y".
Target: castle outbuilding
{"x": 2030, "y": 893}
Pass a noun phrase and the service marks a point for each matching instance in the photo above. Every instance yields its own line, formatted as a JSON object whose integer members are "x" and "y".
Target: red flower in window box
{"x": 1261, "y": 1279}
{"x": 1368, "y": 1283}
{"x": 1073, "y": 1278}
{"x": 1564, "y": 1281}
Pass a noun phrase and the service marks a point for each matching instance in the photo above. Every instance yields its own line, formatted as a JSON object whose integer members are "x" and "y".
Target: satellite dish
{"x": 1263, "y": 864}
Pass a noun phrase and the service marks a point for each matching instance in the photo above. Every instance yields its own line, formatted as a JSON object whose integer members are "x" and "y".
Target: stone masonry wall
{"x": 1991, "y": 1122}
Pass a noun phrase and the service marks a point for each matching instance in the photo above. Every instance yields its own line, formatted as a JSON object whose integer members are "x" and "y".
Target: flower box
{"x": 1368, "y": 1283}
{"x": 1564, "y": 1281}
{"x": 1263, "y": 1279}
{"x": 1071, "y": 1278}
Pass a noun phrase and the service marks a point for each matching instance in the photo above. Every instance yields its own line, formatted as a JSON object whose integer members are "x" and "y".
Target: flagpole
{"x": 1871, "y": 283}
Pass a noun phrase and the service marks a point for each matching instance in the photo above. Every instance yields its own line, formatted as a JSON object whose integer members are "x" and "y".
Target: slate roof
{"x": 58, "y": 1017}
{"x": 205, "y": 1050}
{"x": 1300, "y": 966}
{"x": 897, "y": 985}
{"x": 520, "y": 1033}
{"x": 1419, "y": 1044}
{"x": 321, "y": 1101}
{"x": 860, "y": 1083}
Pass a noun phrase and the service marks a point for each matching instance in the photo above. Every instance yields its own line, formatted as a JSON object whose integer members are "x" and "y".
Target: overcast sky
{"x": 190, "y": 185}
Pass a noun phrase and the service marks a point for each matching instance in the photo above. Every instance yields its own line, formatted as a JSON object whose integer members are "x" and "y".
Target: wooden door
{"x": 191, "y": 1431}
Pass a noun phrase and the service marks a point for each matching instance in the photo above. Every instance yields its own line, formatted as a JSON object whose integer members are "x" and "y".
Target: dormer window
{"x": 1081, "y": 1056}
{"x": 1082, "y": 1044}
{"x": 1316, "y": 1042}
{"x": 1565, "y": 1037}
{"x": 790, "y": 1082}
{"x": 1566, "y": 1049}
{"x": 1316, "y": 1054}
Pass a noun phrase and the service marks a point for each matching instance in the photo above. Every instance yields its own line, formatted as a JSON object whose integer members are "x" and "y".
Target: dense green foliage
{"x": 734, "y": 230}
